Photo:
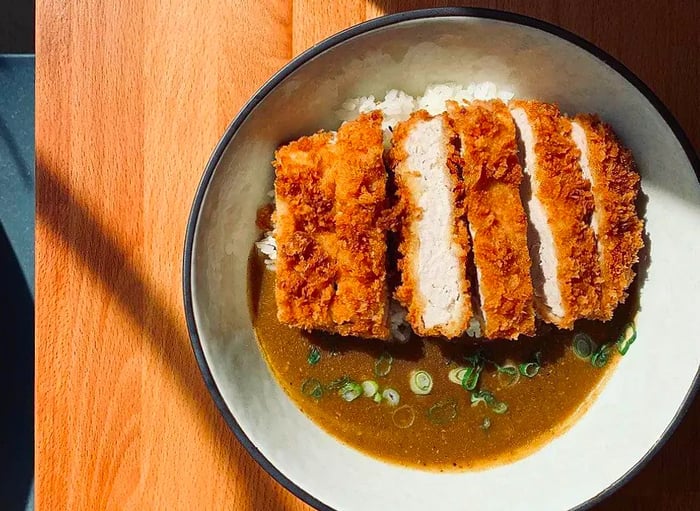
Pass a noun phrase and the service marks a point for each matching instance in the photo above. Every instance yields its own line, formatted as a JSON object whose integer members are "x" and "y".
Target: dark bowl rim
{"x": 293, "y": 65}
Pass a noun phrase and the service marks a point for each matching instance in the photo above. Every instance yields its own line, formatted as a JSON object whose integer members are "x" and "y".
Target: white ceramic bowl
{"x": 647, "y": 394}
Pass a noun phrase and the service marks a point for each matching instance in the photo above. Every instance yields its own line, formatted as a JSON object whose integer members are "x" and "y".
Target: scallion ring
{"x": 403, "y": 417}
{"x": 471, "y": 377}
{"x": 340, "y": 382}
{"x": 370, "y": 388}
{"x": 482, "y": 396}
{"x": 583, "y": 346}
{"x": 377, "y": 398}
{"x": 456, "y": 375}
{"x": 382, "y": 365}
{"x": 486, "y": 397}
{"x": 392, "y": 397}
{"x": 312, "y": 388}
{"x": 350, "y": 391}
{"x": 421, "y": 382}
{"x": 486, "y": 423}
{"x": 314, "y": 355}
{"x": 443, "y": 412}
{"x": 500, "y": 407}
{"x": 627, "y": 338}
{"x": 508, "y": 375}
{"x": 602, "y": 355}
{"x": 530, "y": 369}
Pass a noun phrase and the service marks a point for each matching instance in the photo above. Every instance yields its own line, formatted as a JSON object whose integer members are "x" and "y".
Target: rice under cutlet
{"x": 615, "y": 184}
{"x": 492, "y": 175}
{"x": 559, "y": 203}
{"x": 360, "y": 306}
{"x": 434, "y": 243}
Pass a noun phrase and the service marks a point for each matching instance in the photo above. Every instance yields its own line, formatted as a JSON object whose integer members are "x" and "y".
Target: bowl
{"x": 643, "y": 400}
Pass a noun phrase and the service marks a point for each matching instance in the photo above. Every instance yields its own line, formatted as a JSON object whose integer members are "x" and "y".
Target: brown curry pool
{"x": 448, "y": 429}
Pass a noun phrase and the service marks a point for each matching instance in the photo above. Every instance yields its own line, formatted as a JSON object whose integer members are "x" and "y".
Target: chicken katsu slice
{"x": 305, "y": 232}
{"x": 559, "y": 203}
{"x": 615, "y": 183}
{"x": 434, "y": 244}
{"x": 360, "y": 306}
{"x": 496, "y": 219}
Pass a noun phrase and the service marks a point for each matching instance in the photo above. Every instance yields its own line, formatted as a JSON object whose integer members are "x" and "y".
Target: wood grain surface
{"x": 131, "y": 98}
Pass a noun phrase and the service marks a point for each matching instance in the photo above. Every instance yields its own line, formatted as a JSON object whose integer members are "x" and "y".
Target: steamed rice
{"x": 397, "y": 106}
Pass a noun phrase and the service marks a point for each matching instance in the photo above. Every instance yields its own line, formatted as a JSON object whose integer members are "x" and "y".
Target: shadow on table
{"x": 16, "y": 381}
{"x": 163, "y": 329}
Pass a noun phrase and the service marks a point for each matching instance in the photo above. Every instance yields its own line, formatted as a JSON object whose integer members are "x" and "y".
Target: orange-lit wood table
{"x": 132, "y": 96}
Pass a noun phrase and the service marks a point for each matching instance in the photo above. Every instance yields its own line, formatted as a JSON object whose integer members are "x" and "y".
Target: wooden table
{"x": 132, "y": 95}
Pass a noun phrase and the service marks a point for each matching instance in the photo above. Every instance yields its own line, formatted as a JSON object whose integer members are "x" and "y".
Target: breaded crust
{"x": 615, "y": 186}
{"x": 360, "y": 306}
{"x": 330, "y": 192}
{"x": 568, "y": 202}
{"x": 304, "y": 230}
{"x": 408, "y": 292}
{"x": 496, "y": 217}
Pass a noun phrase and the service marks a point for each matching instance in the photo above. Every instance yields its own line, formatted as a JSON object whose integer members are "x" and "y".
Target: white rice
{"x": 399, "y": 327}
{"x": 397, "y": 106}
{"x": 268, "y": 247}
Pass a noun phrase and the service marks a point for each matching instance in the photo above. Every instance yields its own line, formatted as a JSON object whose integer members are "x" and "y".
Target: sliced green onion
{"x": 627, "y": 338}
{"x": 340, "y": 382}
{"x": 486, "y": 397}
{"x": 471, "y": 375}
{"x": 530, "y": 369}
{"x": 500, "y": 407}
{"x": 508, "y": 375}
{"x": 482, "y": 396}
{"x": 350, "y": 391}
{"x": 370, "y": 388}
{"x": 421, "y": 382}
{"x": 382, "y": 366}
{"x": 602, "y": 355}
{"x": 377, "y": 398}
{"x": 583, "y": 346}
{"x": 403, "y": 417}
{"x": 486, "y": 423}
{"x": 392, "y": 397}
{"x": 312, "y": 388}
{"x": 456, "y": 375}
{"x": 314, "y": 355}
{"x": 443, "y": 411}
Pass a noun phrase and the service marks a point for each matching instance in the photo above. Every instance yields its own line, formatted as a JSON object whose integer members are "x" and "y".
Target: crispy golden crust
{"x": 492, "y": 176}
{"x": 568, "y": 202}
{"x": 360, "y": 306}
{"x": 305, "y": 210}
{"x": 407, "y": 293}
{"x": 331, "y": 249}
{"x": 615, "y": 187}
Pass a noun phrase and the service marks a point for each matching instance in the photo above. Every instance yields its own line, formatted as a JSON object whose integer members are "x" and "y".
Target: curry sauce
{"x": 538, "y": 408}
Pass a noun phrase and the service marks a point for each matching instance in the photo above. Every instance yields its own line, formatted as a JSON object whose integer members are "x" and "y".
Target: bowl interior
{"x": 644, "y": 393}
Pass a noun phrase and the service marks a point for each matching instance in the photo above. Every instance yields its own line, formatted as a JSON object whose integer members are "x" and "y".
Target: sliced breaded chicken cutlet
{"x": 434, "y": 244}
{"x": 615, "y": 183}
{"x": 496, "y": 219}
{"x": 330, "y": 191}
{"x": 305, "y": 232}
{"x": 360, "y": 306}
{"x": 559, "y": 204}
